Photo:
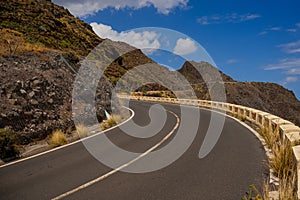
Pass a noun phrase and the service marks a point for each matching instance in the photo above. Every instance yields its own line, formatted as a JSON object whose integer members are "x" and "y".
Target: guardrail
{"x": 286, "y": 129}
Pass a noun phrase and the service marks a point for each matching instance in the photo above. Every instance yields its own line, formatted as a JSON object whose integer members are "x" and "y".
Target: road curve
{"x": 237, "y": 161}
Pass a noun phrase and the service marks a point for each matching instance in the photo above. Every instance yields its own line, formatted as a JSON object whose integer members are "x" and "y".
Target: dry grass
{"x": 265, "y": 191}
{"x": 82, "y": 130}
{"x": 269, "y": 137}
{"x": 58, "y": 138}
{"x": 242, "y": 118}
{"x": 287, "y": 187}
{"x": 112, "y": 121}
{"x": 14, "y": 43}
{"x": 282, "y": 165}
{"x": 282, "y": 161}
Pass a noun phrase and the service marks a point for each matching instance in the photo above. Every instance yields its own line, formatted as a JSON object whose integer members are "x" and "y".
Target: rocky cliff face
{"x": 268, "y": 97}
{"x": 43, "y": 47}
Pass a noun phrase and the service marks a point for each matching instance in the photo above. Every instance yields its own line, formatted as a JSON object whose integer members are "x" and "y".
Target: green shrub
{"x": 8, "y": 147}
{"x": 252, "y": 194}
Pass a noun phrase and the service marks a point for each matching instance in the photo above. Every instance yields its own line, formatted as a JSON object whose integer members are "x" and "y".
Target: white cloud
{"x": 298, "y": 25}
{"x": 228, "y": 18}
{"x": 140, "y": 40}
{"x": 204, "y": 20}
{"x": 290, "y": 79}
{"x": 294, "y": 71}
{"x": 250, "y": 17}
{"x": 88, "y": 7}
{"x": 269, "y": 29}
{"x": 274, "y": 28}
{"x": 263, "y": 33}
{"x": 285, "y": 64}
{"x": 185, "y": 46}
{"x": 291, "y": 30}
{"x": 232, "y": 61}
{"x": 293, "y": 47}
{"x": 290, "y": 66}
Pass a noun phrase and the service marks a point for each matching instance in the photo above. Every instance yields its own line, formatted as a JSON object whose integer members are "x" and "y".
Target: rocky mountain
{"x": 42, "y": 48}
{"x": 268, "y": 97}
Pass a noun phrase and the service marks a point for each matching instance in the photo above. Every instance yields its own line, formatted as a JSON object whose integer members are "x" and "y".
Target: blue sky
{"x": 249, "y": 40}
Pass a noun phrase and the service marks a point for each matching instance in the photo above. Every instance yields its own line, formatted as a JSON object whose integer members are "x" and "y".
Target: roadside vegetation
{"x": 252, "y": 194}
{"x": 8, "y": 145}
{"x": 58, "y": 138}
{"x": 281, "y": 164}
{"x": 110, "y": 122}
{"x": 82, "y": 131}
{"x": 270, "y": 138}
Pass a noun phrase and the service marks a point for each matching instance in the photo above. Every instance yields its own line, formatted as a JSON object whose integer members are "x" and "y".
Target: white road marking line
{"x": 122, "y": 166}
{"x": 67, "y": 145}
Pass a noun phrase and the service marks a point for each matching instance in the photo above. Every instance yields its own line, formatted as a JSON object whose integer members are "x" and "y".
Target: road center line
{"x": 122, "y": 166}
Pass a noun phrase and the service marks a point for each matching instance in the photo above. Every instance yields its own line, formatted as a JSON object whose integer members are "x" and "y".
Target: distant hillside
{"x": 269, "y": 97}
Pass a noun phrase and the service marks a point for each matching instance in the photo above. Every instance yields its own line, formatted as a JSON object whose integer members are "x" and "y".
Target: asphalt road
{"x": 237, "y": 161}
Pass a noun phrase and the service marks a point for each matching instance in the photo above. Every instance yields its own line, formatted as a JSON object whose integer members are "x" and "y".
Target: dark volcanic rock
{"x": 36, "y": 100}
{"x": 268, "y": 97}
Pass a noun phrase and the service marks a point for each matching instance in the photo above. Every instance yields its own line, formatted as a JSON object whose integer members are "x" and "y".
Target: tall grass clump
{"x": 82, "y": 130}
{"x": 282, "y": 165}
{"x": 58, "y": 138}
{"x": 287, "y": 187}
{"x": 281, "y": 162}
{"x": 110, "y": 122}
{"x": 269, "y": 137}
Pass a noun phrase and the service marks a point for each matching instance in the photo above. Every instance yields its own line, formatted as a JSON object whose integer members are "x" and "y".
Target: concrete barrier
{"x": 274, "y": 124}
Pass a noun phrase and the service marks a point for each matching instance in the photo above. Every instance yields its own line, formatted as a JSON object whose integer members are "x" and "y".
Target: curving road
{"x": 237, "y": 161}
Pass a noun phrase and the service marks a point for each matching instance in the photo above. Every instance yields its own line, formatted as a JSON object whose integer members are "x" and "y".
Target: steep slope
{"x": 269, "y": 97}
{"x": 41, "y": 48}
{"x": 191, "y": 73}
{"x": 36, "y": 25}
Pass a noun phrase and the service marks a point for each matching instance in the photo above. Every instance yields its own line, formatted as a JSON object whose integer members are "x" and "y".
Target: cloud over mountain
{"x": 88, "y": 7}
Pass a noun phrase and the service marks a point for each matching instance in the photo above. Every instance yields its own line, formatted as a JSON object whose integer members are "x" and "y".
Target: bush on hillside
{"x": 8, "y": 145}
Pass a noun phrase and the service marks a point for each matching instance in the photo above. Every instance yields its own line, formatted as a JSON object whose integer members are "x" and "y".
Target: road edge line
{"x": 70, "y": 144}
{"x": 87, "y": 184}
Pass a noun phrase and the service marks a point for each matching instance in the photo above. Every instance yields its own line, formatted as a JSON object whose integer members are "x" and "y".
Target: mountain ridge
{"x": 268, "y": 97}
